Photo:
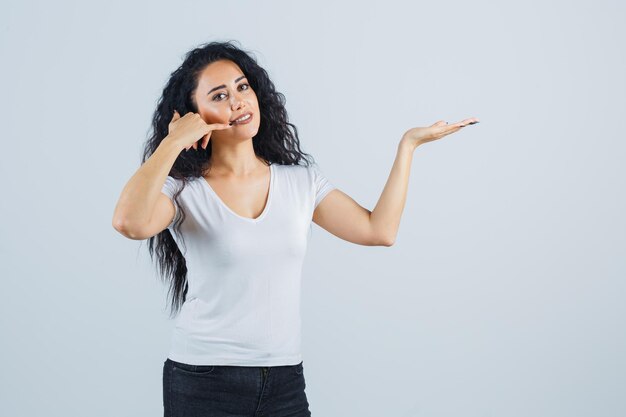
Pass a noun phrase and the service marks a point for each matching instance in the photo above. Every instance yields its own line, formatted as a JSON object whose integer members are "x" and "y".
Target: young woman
{"x": 227, "y": 207}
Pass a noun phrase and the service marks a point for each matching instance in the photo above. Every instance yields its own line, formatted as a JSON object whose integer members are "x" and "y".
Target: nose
{"x": 237, "y": 103}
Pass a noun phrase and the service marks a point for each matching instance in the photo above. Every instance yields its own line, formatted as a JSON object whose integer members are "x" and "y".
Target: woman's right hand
{"x": 191, "y": 129}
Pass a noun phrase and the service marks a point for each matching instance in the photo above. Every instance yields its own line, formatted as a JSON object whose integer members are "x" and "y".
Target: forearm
{"x": 385, "y": 218}
{"x": 139, "y": 196}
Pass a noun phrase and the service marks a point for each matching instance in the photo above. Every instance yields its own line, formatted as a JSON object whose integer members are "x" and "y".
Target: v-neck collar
{"x": 248, "y": 219}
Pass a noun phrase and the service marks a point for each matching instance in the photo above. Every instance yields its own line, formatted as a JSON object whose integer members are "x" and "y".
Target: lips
{"x": 240, "y": 116}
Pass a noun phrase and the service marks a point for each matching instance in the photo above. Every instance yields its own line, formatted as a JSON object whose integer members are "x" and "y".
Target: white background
{"x": 504, "y": 292}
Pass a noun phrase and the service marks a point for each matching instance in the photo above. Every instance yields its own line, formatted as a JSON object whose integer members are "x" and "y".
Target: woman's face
{"x": 223, "y": 95}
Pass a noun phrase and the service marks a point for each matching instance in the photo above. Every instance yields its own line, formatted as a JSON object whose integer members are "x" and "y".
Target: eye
{"x": 240, "y": 85}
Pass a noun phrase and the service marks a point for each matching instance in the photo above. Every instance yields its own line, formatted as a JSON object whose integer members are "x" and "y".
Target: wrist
{"x": 407, "y": 145}
{"x": 172, "y": 142}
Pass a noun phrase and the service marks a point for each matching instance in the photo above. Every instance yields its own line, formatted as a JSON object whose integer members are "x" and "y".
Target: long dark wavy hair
{"x": 274, "y": 142}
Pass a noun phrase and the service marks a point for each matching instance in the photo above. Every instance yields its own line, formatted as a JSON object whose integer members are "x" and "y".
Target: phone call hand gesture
{"x": 191, "y": 129}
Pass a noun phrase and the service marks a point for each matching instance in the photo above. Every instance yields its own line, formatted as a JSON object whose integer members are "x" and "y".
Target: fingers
{"x": 220, "y": 126}
{"x": 463, "y": 123}
{"x": 470, "y": 121}
{"x": 203, "y": 142}
{"x": 447, "y": 128}
{"x": 451, "y": 128}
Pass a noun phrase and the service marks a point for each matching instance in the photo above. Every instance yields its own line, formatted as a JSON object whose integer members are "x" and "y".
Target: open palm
{"x": 420, "y": 135}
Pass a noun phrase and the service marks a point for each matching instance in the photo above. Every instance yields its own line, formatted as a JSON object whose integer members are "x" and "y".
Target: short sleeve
{"x": 321, "y": 184}
{"x": 169, "y": 189}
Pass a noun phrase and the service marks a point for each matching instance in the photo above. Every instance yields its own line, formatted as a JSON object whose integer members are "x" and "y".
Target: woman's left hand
{"x": 419, "y": 135}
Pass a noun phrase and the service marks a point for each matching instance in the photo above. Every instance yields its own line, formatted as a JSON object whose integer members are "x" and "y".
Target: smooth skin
{"x": 241, "y": 179}
{"x": 221, "y": 96}
{"x": 345, "y": 218}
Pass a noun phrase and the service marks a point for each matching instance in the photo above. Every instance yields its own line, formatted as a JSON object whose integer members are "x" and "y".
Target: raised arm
{"x": 142, "y": 209}
{"x": 139, "y": 197}
{"x": 340, "y": 215}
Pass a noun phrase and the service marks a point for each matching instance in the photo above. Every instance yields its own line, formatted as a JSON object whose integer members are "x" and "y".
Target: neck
{"x": 237, "y": 160}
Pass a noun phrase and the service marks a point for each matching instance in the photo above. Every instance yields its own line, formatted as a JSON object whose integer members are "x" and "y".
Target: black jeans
{"x": 233, "y": 391}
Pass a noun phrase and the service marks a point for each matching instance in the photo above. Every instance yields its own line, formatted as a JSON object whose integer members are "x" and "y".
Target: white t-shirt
{"x": 243, "y": 299}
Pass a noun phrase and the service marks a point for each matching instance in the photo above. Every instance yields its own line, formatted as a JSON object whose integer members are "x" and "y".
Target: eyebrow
{"x": 224, "y": 86}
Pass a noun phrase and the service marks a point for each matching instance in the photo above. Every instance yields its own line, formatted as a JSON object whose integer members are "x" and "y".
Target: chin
{"x": 252, "y": 130}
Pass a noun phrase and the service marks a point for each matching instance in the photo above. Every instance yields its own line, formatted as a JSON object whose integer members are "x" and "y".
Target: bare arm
{"x": 385, "y": 218}
{"x": 340, "y": 215}
{"x": 139, "y": 197}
